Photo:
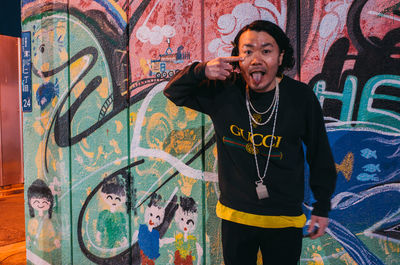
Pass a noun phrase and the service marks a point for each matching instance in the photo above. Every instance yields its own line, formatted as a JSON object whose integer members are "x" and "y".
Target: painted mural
{"x": 117, "y": 174}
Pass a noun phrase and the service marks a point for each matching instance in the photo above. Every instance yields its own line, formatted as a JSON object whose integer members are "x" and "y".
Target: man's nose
{"x": 256, "y": 59}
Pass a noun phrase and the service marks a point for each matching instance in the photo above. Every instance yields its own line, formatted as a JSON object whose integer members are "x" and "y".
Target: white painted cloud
{"x": 332, "y": 25}
{"x": 155, "y": 35}
{"x": 242, "y": 15}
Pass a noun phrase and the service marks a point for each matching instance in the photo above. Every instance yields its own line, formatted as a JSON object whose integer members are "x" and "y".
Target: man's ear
{"x": 281, "y": 57}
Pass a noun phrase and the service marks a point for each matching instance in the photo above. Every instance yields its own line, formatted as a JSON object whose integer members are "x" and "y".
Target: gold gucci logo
{"x": 257, "y": 139}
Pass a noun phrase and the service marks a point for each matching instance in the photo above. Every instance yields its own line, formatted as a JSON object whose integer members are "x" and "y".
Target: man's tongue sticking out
{"x": 257, "y": 77}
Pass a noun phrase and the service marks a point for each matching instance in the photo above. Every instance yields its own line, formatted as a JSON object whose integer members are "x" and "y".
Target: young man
{"x": 261, "y": 118}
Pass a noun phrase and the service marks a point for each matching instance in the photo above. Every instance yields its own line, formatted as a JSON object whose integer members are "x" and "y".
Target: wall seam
{"x": 203, "y": 163}
{"x": 298, "y": 38}
{"x": 69, "y": 138}
{"x": 130, "y": 179}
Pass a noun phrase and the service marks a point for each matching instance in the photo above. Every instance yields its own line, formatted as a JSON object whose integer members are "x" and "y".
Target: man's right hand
{"x": 220, "y": 68}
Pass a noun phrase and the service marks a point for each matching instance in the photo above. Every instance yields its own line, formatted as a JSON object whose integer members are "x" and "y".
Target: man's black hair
{"x": 39, "y": 189}
{"x": 277, "y": 33}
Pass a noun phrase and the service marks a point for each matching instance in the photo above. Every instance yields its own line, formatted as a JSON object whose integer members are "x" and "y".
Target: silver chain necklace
{"x": 261, "y": 188}
{"x": 260, "y": 112}
{"x": 273, "y": 106}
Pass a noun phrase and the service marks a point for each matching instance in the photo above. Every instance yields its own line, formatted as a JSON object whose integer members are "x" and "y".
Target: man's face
{"x": 262, "y": 59}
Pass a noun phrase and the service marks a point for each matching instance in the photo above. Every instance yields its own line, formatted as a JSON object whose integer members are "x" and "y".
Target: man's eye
{"x": 266, "y": 51}
{"x": 247, "y": 52}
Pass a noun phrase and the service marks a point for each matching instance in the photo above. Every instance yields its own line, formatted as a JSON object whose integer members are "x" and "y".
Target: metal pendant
{"x": 262, "y": 191}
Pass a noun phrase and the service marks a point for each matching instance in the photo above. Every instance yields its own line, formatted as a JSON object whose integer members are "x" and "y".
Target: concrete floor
{"x": 12, "y": 229}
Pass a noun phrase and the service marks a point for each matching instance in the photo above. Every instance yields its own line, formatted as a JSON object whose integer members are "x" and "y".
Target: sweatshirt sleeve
{"x": 190, "y": 88}
{"x": 320, "y": 159}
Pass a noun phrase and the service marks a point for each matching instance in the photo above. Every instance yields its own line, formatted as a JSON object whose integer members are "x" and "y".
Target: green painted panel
{"x": 111, "y": 165}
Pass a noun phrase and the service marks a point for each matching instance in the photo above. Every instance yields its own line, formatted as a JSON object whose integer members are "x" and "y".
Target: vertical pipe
{"x": 1, "y": 152}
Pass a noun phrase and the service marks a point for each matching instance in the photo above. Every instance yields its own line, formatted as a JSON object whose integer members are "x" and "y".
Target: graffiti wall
{"x": 117, "y": 174}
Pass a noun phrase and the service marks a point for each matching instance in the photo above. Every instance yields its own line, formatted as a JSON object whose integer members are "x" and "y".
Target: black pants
{"x": 279, "y": 246}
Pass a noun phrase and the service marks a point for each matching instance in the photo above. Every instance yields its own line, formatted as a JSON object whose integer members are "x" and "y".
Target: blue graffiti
{"x": 46, "y": 93}
{"x": 361, "y": 191}
{"x": 372, "y": 168}
{"x": 367, "y": 177}
{"x": 389, "y": 142}
{"x": 354, "y": 246}
{"x": 368, "y": 153}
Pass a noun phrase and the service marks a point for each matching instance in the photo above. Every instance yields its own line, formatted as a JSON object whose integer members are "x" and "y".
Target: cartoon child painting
{"x": 149, "y": 238}
{"x": 185, "y": 243}
{"x": 111, "y": 223}
{"x": 41, "y": 232}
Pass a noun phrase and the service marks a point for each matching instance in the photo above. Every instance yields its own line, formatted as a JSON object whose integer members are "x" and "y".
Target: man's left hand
{"x": 319, "y": 230}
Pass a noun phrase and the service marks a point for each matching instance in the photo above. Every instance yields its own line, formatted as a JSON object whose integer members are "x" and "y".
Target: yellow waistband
{"x": 264, "y": 221}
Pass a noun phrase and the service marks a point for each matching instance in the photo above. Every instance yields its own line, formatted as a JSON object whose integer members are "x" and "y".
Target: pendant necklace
{"x": 261, "y": 188}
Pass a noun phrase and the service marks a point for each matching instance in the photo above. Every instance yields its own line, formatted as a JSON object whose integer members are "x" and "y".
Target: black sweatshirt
{"x": 299, "y": 120}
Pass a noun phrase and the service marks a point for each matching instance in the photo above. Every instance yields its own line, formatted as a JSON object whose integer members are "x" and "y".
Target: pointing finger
{"x": 232, "y": 59}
